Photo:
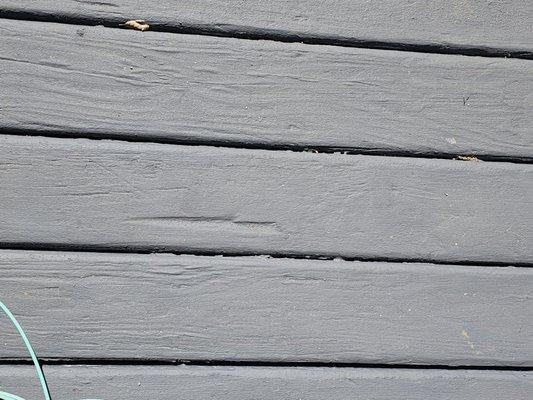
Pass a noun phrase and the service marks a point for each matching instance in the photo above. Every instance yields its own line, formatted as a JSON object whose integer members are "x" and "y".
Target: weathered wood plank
{"x": 98, "y": 81}
{"x": 104, "y": 305}
{"x": 239, "y": 383}
{"x": 476, "y": 23}
{"x": 147, "y": 196}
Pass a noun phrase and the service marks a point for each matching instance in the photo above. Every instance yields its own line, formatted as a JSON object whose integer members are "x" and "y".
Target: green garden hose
{"x": 40, "y": 374}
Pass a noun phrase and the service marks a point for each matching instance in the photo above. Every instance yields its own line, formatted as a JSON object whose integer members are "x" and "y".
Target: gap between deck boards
{"x": 277, "y": 35}
{"x": 271, "y": 364}
{"x": 69, "y": 248}
{"x": 123, "y": 137}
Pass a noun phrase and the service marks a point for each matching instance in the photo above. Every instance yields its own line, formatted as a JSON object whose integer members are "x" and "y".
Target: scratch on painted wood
{"x": 225, "y": 223}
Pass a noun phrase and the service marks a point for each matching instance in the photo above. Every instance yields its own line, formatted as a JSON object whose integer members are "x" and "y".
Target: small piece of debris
{"x": 139, "y": 24}
{"x": 466, "y": 158}
{"x": 451, "y": 140}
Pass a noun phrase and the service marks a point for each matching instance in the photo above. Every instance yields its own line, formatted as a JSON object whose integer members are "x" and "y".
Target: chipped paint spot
{"x": 451, "y": 140}
{"x": 465, "y": 334}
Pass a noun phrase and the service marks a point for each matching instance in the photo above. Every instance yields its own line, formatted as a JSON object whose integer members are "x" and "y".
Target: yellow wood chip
{"x": 139, "y": 24}
{"x": 467, "y": 158}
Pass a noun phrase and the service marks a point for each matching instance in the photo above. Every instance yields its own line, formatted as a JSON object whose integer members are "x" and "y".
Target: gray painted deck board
{"x": 162, "y": 306}
{"x": 503, "y": 23}
{"x": 95, "y": 81}
{"x": 240, "y": 383}
{"x": 114, "y": 194}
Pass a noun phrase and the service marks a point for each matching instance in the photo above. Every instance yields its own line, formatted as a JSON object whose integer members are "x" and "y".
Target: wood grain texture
{"x": 474, "y": 23}
{"x": 112, "y": 194}
{"x": 240, "y": 383}
{"x": 94, "y": 305}
{"x": 97, "y": 81}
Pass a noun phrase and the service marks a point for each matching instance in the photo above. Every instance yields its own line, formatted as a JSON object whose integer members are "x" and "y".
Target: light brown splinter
{"x": 467, "y": 158}
{"x": 139, "y": 24}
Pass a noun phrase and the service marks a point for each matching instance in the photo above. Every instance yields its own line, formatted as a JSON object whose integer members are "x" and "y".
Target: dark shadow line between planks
{"x": 252, "y": 33}
{"x": 310, "y": 148}
{"x": 124, "y": 249}
{"x": 273, "y": 364}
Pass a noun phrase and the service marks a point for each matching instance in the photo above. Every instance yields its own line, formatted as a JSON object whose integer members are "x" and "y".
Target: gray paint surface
{"x": 94, "y": 305}
{"x": 112, "y": 194}
{"x": 240, "y": 383}
{"x": 87, "y": 81}
{"x": 472, "y": 23}
{"x": 95, "y": 81}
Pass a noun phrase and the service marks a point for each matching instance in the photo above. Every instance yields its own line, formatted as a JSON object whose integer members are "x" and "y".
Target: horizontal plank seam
{"x": 226, "y": 363}
{"x": 253, "y": 33}
{"x": 71, "y": 248}
{"x": 268, "y": 147}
